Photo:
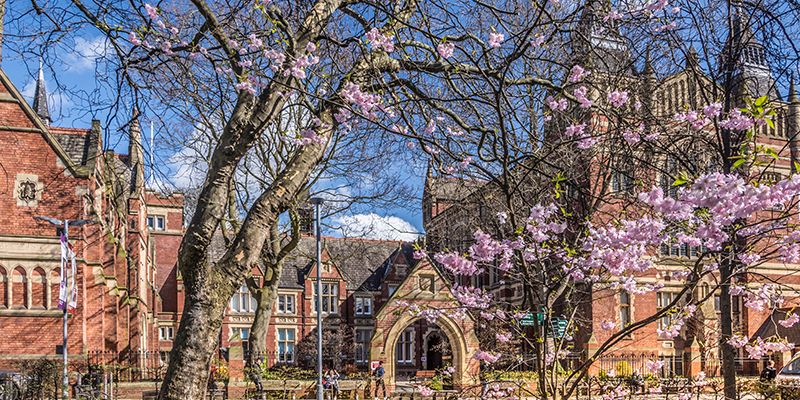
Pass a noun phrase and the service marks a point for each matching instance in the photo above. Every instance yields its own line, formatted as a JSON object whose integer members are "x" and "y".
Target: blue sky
{"x": 75, "y": 73}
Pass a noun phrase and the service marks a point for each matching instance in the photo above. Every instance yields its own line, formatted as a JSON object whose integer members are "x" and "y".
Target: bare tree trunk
{"x": 265, "y": 297}
{"x": 209, "y": 288}
{"x": 197, "y": 337}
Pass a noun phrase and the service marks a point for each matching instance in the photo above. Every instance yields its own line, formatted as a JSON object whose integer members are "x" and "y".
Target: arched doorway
{"x": 424, "y": 288}
{"x": 436, "y": 351}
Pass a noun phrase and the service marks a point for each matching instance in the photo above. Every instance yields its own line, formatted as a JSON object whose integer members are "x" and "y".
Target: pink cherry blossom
{"x": 587, "y": 142}
{"x": 366, "y": 102}
{"x": 379, "y": 41}
{"x": 445, "y": 50}
{"x": 631, "y": 137}
{"x": 503, "y": 337}
{"x": 424, "y": 390}
{"x": 608, "y": 325}
{"x": 134, "y": 39}
{"x": 486, "y": 357}
{"x": 712, "y": 110}
{"x": 496, "y": 39}
{"x": 556, "y": 105}
{"x": 575, "y": 130}
{"x": 749, "y": 259}
{"x": 618, "y": 98}
{"x": 654, "y": 366}
{"x": 737, "y": 121}
{"x": 580, "y": 95}
{"x": 657, "y": 5}
{"x": 612, "y": 15}
{"x": 576, "y": 74}
{"x": 456, "y": 264}
{"x": 471, "y": 297}
{"x": 790, "y": 320}
{"x": 502, "y": 217}
{"x": 152, "y": 12}
{"x": 738, "y": 341}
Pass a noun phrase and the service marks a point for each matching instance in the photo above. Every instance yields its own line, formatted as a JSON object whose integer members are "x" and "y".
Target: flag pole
{"x": 67, "y": 260}
{"x": 65, "y": 379}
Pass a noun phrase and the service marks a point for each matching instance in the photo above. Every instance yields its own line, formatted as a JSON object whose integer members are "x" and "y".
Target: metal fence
{"x": 135, "y": 366}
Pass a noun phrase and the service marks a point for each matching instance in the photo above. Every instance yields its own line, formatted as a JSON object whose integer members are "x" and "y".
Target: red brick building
{"x": 123, "y": 260}
{"x": 454, "y": 208}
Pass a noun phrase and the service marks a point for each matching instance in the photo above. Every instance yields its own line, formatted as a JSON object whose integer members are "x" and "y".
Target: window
{"x": 286, "y": 345}
{"x": 405, "y": 347}
{"x": 625, "y": 308}
{"x": 156, "y": 222}
{"x": 286, "y": 304}
{"x": 166, "y": 333}
{"x": 622, "y": 181}
{"x": 771, "y": 178}
{"x": 243, "y": 301}
{"x": 663, "y": 299}
{"x": 363, "y": 306}
{"x": 239, "y": 333}
{"x": 392, "y": 289}
{"x": 363, "y": 335}
{"x": 674, "y": 249}
{"x": 330, "y": 298}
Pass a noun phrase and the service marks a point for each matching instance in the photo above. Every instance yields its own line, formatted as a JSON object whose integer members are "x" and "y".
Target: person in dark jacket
{"x": 769, "y": 373}
{"x": 378, "y": 375}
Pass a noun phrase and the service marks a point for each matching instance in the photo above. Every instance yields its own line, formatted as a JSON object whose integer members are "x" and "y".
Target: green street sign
{"x": 559, "y": 327}
{"x": 528, "y": 319}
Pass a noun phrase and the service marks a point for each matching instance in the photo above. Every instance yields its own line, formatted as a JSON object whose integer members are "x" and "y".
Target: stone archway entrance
{"x": 424, "y": 288}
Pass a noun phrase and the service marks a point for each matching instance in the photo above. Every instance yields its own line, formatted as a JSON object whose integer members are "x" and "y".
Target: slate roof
{"x": 770, "y": 327}
{"x": 76, "y": 143}
{"x": 362, "y": 262}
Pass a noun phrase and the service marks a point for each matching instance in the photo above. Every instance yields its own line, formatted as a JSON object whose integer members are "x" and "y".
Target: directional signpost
{"x": 559, "y": 327}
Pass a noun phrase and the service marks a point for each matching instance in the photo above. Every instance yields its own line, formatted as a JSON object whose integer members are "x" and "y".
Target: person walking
{"x": 378, "y": 375}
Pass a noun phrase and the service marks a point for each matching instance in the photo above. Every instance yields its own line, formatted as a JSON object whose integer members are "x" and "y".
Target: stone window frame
{"x": 278, "y": 355}
{"x": 285, "y": 311}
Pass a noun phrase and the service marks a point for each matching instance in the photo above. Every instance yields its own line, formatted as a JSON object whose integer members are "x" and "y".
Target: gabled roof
{"x": 362, "y": 263}
{"x": 76, "y": 169}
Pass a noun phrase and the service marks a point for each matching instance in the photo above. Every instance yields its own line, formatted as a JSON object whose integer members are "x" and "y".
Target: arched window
{"x": 55, "y": 282}
{"x": 38, "y": 288}
{"x": 19, "y": 288}
{"x": 3, "y": 288}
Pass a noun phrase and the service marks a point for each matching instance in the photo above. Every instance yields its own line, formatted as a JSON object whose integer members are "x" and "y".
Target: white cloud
{"x": 85, "y": 53}
{"x": 374, "y": 226}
